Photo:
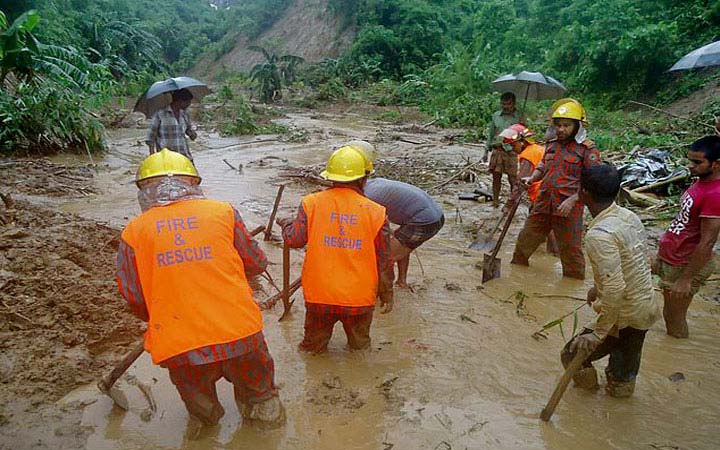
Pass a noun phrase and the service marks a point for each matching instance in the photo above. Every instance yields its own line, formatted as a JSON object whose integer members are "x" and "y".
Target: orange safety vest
{"x": 192, "y": 278}
{"x": 533, "y": 153}
{"x": 340, "y": 265}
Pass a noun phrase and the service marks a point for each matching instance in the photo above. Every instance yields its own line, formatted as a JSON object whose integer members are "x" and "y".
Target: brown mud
{"x": 454, "y": 366}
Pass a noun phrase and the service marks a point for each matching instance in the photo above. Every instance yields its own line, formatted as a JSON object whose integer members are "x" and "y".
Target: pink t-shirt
{"x": 702, "y": 199}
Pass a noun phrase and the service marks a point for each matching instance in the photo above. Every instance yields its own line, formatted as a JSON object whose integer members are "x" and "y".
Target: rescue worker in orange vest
{"x": 520, "y": 139}
{"x": 347, "y": 263}
{"x": 557, "y": 207}
{"x": 183, "y": 266}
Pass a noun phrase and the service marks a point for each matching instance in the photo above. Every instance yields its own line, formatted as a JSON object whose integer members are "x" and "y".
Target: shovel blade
{"x": 491, "y": 268}
{"x": 483, "y": 244}
{"x": 118, "y": 397}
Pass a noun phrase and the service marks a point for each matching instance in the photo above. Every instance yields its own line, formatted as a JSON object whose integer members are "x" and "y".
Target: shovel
{"x": 486, "y": 241}
{"x": 106, "y": 384}
{"x": 491, "y": 264}
{"x": 562, "y": 385}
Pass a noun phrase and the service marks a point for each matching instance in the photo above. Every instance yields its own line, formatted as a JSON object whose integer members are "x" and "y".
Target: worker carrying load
{"x": 183, "y": 266}
{"x": 347, "y": 263}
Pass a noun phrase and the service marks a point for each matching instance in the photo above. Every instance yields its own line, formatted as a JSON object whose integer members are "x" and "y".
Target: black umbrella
{"x": 159, "y": 95}
{"x": 706, "y": 56}
{"x": 530, "y": 85}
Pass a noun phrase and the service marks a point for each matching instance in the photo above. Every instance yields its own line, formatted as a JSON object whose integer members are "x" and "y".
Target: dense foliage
{"x": 438, "y": 54}
{"x": 606, "y": 51}
{"x": 64, "y": 57}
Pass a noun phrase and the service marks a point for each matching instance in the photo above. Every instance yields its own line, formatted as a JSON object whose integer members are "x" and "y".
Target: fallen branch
{"x": 569, "y": 297}
{"x": 674, "y": 115}
{"x": 268, "y": 228}
{"x": 456, "y": 175}
{"x": 661, "y": 183}
{"x": 270, "y": 302}
{"x": 230, "y": 165}
{"x": 240, "y": 144}
{"x": 410, "y": 141}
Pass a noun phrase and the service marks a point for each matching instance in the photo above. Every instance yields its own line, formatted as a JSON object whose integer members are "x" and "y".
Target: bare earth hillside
{"x": 307, "y": 28}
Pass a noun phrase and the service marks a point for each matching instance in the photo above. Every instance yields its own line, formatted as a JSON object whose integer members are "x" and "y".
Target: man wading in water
{"x": 347, "y": 264}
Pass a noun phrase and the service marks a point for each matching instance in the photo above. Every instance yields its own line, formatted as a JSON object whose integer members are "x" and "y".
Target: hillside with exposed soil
{"x": 308, "y": 28}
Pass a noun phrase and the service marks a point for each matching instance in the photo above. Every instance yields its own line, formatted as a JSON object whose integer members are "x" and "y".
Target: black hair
{"x": 182, "y": 94}
{"x": 507, "y": 96}
{"x": 709, "y": 145}
{"x": 601, "y": 181}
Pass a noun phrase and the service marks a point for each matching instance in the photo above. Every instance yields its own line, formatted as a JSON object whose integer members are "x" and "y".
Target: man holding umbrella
{"x": 165, "y": 103}
{"x": 502, "y": 161}
{"x": 170, "y": 125}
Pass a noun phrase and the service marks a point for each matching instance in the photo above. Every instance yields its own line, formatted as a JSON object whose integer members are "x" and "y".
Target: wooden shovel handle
{"x": 562, "y": 385}
{"x": 511, "y": 214}
{"x": 268, "y": 228}
{"x": 120, "y": 368}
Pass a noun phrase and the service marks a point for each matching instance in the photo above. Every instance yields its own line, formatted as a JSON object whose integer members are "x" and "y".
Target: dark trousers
{"x": 625, "y": 352}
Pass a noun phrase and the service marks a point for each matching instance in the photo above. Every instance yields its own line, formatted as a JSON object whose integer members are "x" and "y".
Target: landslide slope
{"x": 308, "y": 28}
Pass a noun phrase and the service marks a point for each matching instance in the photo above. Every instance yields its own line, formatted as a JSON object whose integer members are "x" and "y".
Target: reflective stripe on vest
{"x": 534, "y": 154}
{"x": 340, "y": 265}
{"x": 192, "y": 278}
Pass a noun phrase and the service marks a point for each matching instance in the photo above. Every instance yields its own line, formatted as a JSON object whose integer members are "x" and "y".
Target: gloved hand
{"x": 587, "y": 342}
{"x": 386, "y": 301}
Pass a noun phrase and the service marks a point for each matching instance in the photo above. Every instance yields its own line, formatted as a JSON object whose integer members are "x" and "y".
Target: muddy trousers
{"x": 252, "y": 376}
{"x": 319, "y": 328}
{"x": 568, "y": 233}
{"x": 625, "y": 353}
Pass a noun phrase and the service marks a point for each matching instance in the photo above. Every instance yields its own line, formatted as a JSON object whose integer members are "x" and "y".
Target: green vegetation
{"x": 61, "y": 59}
{"x": 42, "y": 105}
{"x": 442, "y": 55}
{"x": 274, "y": 73}
{"x": 71, "y": 56}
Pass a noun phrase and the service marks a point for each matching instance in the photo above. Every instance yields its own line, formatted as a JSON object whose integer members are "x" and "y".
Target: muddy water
{"x": 453, "y": 366}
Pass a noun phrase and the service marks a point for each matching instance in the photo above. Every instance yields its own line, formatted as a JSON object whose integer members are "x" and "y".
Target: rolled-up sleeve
{"x": 128, "y": 281}
{"x": 604, "y": 254}
{"x": 295, "y": 233}
{"x": 252, "y": 256}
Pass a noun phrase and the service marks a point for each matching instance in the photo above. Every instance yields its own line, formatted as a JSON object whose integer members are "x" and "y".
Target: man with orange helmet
{"x": 557, "y": 207}
{"x": 529, "y": 156}
{"x": 183, "y": 266}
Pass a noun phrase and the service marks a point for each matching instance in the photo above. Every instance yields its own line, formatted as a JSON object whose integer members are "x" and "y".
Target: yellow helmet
{"x": 344, "y": 165}
{"x": 165, "y": 162}
{"x": 368, "y": 151}
{"x": 571, "y": 109}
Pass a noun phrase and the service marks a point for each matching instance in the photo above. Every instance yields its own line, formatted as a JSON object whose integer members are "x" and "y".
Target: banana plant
{"x": 18, "y": 46}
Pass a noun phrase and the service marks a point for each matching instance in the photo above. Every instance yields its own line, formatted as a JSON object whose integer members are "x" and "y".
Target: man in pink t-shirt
{"x": 685, "y": 253}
